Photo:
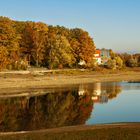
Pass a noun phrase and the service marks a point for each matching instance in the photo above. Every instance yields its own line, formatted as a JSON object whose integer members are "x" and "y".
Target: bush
{"x": 119, "y": 62}
{"x": 18, "y": 65}
{"x": 138, "y": 61}
{"x": 131, "y": 62}
{"x": 111, "y": 64}
{"x": 9, "y": 67}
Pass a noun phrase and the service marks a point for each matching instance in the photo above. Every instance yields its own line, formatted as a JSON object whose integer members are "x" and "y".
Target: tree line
{"x": 122, "y": 60}
{"x": 24, "y": 43}
{"x": 42, "y": 45}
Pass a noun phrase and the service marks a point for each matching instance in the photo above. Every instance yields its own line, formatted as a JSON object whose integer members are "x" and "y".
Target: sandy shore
{"x": 77, "y": 128}
{"x": 117, "y": 131}
{"x": 20, "y": 82}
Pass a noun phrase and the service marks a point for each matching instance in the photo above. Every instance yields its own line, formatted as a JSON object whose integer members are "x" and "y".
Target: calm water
{"x": 74, "y": 105}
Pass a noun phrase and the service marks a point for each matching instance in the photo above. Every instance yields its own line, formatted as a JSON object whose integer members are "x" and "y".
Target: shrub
{"x": 111, "y": 64}
{"x": 131, "y": 62}
{"x": 119, "y": 62}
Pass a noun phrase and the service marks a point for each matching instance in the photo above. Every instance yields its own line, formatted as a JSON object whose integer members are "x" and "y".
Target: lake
{"x": 94, "y": 103}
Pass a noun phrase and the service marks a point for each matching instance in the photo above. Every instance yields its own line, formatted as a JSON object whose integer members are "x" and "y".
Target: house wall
{"x": 105, "y": 53}
{"x": 97, "y": 57}
{"x": 105, "y": 56}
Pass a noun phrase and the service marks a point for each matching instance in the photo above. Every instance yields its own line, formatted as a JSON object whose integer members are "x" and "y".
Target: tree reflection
{"x": 61, "y": 108}
{"x": 105, "y": 91}
{"x": 12, "y": 114}
{"x": 51, "y": 110}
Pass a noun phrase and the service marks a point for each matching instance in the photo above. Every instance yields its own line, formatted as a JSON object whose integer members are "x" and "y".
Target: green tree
{"x": 119, "y": 62}
{"x": 59, "y": 52}
{"x": 111, "y": 64}
{"x": 116, "y": 61}
{"x": 112, "y": 54}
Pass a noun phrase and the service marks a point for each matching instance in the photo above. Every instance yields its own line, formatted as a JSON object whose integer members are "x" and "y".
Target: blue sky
{"x": 112, "y": 24}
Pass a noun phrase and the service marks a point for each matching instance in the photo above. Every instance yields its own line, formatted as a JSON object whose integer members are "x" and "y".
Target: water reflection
{"x": 105, "y": 91}
{"x": 61, "y": 107}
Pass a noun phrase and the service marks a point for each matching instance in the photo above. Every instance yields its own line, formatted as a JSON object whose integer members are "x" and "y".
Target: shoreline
{"x": 77, "y": 128}
{"x": 110, "y": 131}
{"x": 14, "y": 82}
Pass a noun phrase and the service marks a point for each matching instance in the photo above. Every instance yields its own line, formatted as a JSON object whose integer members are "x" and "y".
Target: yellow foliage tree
{"x": 3, "y": 57}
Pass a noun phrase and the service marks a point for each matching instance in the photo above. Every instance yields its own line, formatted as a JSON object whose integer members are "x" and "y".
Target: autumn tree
{"x": 82, "y": 44}
{"x": 132, "y": 62}
{"x": 43, "y": 45}
{"x": 34, "y": 39}
{"x": 59, "y": 52}
{"x": 115, "y": 61}
{"x": 3, "y": 57}
{"x": 9, "y": 38}
{"x": 138, "y": 59}
{"x": 111, "y": 64}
